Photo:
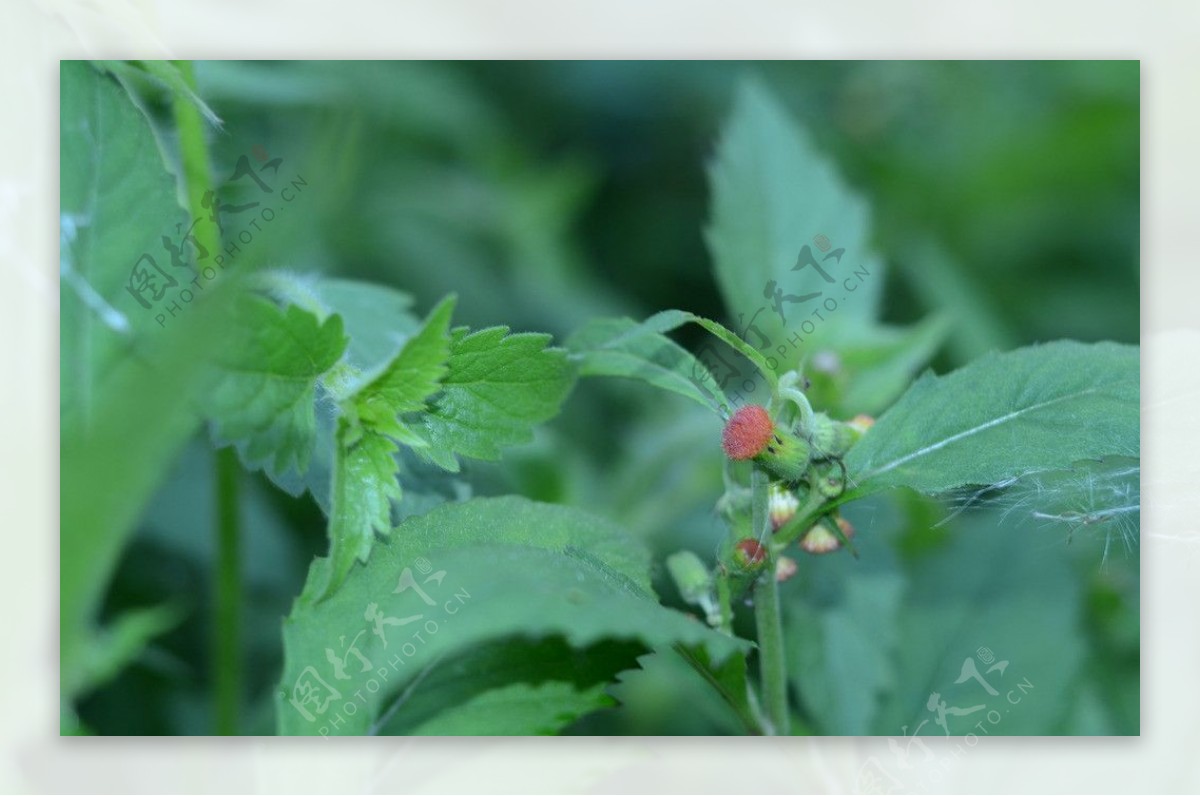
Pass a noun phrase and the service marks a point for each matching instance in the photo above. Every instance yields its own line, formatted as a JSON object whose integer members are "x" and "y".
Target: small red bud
{"x": 747, "y": 432}
{"x": 750, "y": 554}
{"x": 751, "y": 434}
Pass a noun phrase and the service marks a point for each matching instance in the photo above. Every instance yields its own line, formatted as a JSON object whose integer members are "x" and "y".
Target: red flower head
{"x": 747, "y": 433}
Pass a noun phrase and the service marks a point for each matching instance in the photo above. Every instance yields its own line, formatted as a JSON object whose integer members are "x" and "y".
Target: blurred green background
{"x": 543, "y": 194}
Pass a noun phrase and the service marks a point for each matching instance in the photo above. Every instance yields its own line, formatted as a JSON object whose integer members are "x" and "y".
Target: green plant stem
{"x": 772, "y": 666}
{"x": 193, "y": 156}
{"x": 197, "y": 182}
{"x": 227, "y": 665}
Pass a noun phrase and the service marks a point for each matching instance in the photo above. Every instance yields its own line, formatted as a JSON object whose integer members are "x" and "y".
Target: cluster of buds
{"x": 805, "y": 465}
{"x": 818, "y": 539}
{"x": 809, "y": 461}
{"x": 752, "y": 435}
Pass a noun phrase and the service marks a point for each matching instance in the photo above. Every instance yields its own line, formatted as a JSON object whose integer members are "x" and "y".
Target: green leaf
{"x": 127, "y": 385}
{"x": 365, "y": 468}
{"x": 377, "y": 318}
{"x": 841, "y": 654}
{"x": 870, "y": 640}
{"x": 265, "y": 382}
{"x": 519, "y": 709}
{"x": 772, "y": 195}
{"x": 667, "y": 320}
{"x": 729, "y": 681}
{"x": 879, "y": 368}
{"x": 413, "y": 376}
{"x": 364, "y": 486}
{"x": 465, "y": 574}
{"x": 456, "y": 691}
{"x": 117, "y": 202}
{"x": 1005, "y": 415}
{"x": 998, "y": 593}
{"x": 1098, "y": 497}
{"x": 498, "y": 387}
{"x": 623, "y": 347}
{"x": 377, "y": 322}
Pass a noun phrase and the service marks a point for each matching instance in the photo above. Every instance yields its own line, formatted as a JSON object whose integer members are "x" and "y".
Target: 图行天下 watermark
{"x": 712, "y": 362}
{"x": 915, "y": 768}
{"x": 327, "y": 694}
{"x": 190, "y": 265}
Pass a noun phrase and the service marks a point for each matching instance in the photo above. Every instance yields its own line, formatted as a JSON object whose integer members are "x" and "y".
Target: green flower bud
{"x": 831, "y": 439}
{"x": 691, "y": 577}
{"x": 829, "y": 478}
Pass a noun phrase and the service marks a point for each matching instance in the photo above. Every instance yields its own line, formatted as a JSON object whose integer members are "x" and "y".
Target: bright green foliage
{"x": 667, "y": 320}
{"x": 377, "y": 322}
{"x": 263, "y": 393}
{"x": 499, "y": 386}
{"x": 406, "y": 383}
{"x": 378, "y": 319}
{"x": 365, "y": 469}
{"x": 507, "y": 616}
{"x": 364, "y": 486}
{"x": 623, "y": 347}
{"x": 1005, "y": 415}
{"x": 480, "y": 571}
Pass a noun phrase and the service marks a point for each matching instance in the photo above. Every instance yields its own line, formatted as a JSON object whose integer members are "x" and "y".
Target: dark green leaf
{"x": 465, "y": 574}
{"x": 1003, "y": 416}
{"x": 773, "y": 195}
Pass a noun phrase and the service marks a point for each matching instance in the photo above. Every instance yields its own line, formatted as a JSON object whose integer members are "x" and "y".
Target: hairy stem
{"x": 772, "y": 666}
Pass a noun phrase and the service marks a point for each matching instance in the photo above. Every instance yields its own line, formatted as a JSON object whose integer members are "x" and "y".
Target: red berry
{"x": 747, "y": 432}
